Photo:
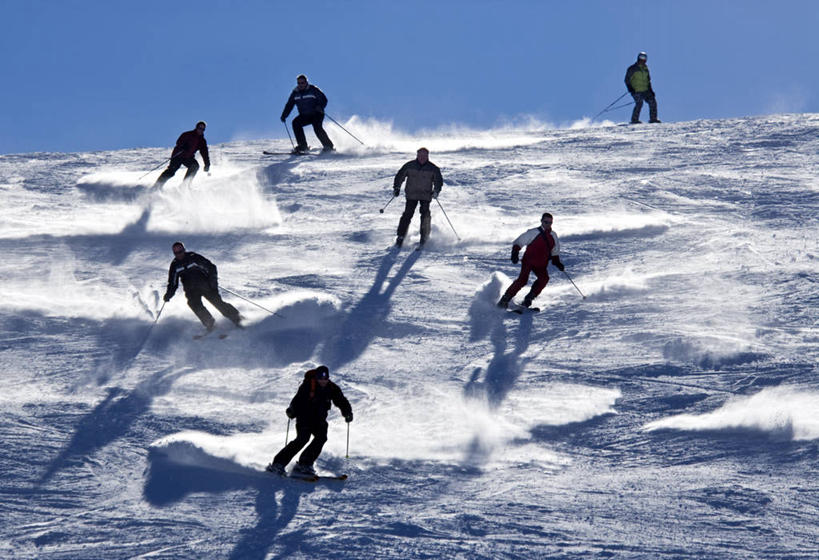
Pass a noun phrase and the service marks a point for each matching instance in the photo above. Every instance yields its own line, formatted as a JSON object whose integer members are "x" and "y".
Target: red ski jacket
{"x": 540, "y": 246}
{"x": 188, "y": 143}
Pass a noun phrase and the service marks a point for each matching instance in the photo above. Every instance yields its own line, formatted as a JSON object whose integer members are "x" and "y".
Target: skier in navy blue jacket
{"x": 310, "y": 102}
{"x": 200, "y": 280}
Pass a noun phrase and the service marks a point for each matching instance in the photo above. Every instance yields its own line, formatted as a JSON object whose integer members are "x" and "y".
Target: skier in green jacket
{"x": 638, "y": 82}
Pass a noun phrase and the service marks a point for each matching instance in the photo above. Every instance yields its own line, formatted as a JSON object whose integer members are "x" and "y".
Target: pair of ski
{"x": 307, "y": 152}
{"x": 520, "y": 310}
{"x": 314, "y": 477}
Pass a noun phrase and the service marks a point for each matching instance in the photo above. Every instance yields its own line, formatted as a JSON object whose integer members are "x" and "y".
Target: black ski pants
{"x": 406, "y": 218}
{"x": 315, "y": 119}
{"x": 648, "y": 97}
{"x": 173, "y": 167}
{"x": 304, "y": 429}
{"x": 195, "y": 303}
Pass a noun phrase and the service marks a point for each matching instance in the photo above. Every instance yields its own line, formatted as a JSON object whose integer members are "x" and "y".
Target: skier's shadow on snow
{"x": 503, "y": 370}
{"x": 368, "y": 317}
{"x": 169, "y": 483}
{"x": 505, "y": 367}
{"x": 111, "y": 419}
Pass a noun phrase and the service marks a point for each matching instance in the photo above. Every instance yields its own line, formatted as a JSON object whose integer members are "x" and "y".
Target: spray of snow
{"x": 399, "y": 425}
{"x": 210, "y": 204}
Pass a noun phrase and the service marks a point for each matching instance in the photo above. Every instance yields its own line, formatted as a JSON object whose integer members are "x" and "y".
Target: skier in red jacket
{"x": 184, "y": 153}
{"x": 542, "y": 246}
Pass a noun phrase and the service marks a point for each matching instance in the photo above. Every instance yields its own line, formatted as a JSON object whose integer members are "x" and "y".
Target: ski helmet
{"x": 322, "y": 373}
{"x": 642, "y": 56}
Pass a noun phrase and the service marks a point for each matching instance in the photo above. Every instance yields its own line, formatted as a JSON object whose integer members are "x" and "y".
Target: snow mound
{"x": 719, "y": 355}
{"x": 783, "y": 412}
{"x": 614, "y": 288}
{"x": 224, "y": 453}
{"x": 301, "y": 309}
{"x": 113, "y": 186}
{"x": 613, "y": 226}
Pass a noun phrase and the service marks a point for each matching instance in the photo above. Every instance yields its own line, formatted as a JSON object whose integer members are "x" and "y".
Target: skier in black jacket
{"x": 309, "y": 407}
{"x": 199, "y": 278}
{"x": 184, "y": 153}
{"x": 310, "y": 102}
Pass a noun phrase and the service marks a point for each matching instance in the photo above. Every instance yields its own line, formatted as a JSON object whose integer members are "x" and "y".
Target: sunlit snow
{"x": 669, "y": 414}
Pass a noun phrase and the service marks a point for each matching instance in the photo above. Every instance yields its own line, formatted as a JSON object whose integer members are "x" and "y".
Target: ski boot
{"x": 276, "y": 468}
{"x": 304, "y": 470}
{"x": 504, "y": 302}
{"x": 399, "y": 240}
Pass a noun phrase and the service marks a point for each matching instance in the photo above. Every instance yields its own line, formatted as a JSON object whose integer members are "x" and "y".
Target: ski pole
{"x": 609, "y": 105}
{"x": 287, "y": 433}
{"x": 447, "y": 219}
{"x": 573, "y": 284}
{"x": 249, "y": 301}
{"x": 344, "y": 129}
{"x": 387, "y": 204}
{"x": 288, "y": 134}
{"x": 347, "y": 454}
{"x": 621, "y": 106}
{"x": 160, "y": 312}
{"x": 155, "y": 168}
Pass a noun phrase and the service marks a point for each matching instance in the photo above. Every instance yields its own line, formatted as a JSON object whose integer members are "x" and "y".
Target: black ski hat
{"x": 322, "y": 373}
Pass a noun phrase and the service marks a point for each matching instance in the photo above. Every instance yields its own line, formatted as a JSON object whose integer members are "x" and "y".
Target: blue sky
{"x": 95, "y": 75}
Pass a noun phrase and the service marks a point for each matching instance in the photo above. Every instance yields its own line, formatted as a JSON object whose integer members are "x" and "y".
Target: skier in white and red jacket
{"x": 542, "y": 246}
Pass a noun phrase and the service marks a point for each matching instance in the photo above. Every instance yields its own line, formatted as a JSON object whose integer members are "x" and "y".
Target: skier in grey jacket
{"x": 424, "y": 183}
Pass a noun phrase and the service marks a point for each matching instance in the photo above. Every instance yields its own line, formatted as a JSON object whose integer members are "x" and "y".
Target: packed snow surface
{"x": 672, "y": 413}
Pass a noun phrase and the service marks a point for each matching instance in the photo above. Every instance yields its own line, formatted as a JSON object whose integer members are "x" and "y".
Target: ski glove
{"x": 167, "y": 297}
{"x": 396, "y": 191}
{"x": 284, "y": 119}
{"x": 348, "y": 417}
{"x": 435, "y": 193}
{"x": 557, "y": 263}
{"x": 290, "y": 413}
{"x": 515, "y": 252}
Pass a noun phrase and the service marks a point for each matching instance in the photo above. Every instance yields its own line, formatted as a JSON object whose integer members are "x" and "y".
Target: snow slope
{"x": 670, "y": 414}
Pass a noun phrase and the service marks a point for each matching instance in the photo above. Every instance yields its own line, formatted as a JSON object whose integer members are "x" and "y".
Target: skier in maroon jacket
{"x": 184, "y": 153}
{"x": 309, "y": 407}
{"x": 542, "y": 246}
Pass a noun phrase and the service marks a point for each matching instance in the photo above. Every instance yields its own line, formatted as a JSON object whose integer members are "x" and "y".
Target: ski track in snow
{"x": 670, "y": 414}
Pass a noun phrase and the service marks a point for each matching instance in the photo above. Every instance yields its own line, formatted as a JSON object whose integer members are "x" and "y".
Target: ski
{"x": 265, "y": 152}
{"x": 315, "y": 478}
{"x": 207, "y": 334}
{"x": 331, "y": 477}
{"x": 303, "y": 478}
{"x": 520, "y": 310}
